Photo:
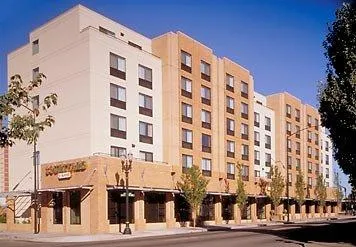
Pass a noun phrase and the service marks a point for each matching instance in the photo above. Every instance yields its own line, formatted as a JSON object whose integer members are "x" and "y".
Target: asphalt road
{"x": 338, "y": 231}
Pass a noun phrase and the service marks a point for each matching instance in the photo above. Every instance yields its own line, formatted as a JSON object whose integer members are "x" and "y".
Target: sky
{"x": 278, "y": 41}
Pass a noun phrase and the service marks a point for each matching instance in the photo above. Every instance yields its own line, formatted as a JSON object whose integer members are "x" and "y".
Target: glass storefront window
{"x": 58, "y": 208}
{"x": 74, "y": 202}
{"x": 155, "y": 207}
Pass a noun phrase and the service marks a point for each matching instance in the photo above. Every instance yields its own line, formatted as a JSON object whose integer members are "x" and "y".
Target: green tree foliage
{"x": 320, "y": 190}
{"x": 241, "y": 195}
{"x": 277, "y": 186}
{"x": 26, "y": 119}
{"x": 337, "y": 96}
{"x": 300, "y": 188}
{"x": 193, "y": 185}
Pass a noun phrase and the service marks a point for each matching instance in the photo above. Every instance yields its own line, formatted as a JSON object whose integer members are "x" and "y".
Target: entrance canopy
{"x": 63, "y": 189}
{"x": 144, "y": 189}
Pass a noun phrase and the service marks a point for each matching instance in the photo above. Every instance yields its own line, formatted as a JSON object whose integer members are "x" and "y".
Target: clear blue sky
{"x": 279, "y": 41}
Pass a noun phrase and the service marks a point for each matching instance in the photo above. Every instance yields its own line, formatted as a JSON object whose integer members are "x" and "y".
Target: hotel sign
{"x": 64, "y": 168}
{"x": 64, "y": 175}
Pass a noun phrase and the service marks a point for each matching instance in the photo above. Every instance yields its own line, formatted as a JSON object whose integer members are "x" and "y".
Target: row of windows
{"x": 268, "y": 140}
{"x": 257, "y": 121}
{"x": 121, "y": 151}
{"x": 268, "y": 158}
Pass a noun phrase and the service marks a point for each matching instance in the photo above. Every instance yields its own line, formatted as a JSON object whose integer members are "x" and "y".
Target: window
{"x": 288, "y": 110}
{"x": 186, "y": 61}
{"x": 230, "y": 147}
{"x": 244, "y": 110}
{"x": 74, "y": 204}
{"x": 187, "y": 113}
{"x": 186, "y": 87}
{"x": 257, "y": 138}
{"x": 155, "y": 207}
{"x": 146, "y": 156}
{"x": 268, "y": 141}
{"x": 35, "y": 73}
{"x": 297, "y": 131}
{"x": 310, "y": 167}
{"x": 316, "y": 154}
{"x": 289, "y": 162}
{"x": 187, "y": 161}
{"x": 35, "y": 102}
{"x": 289, "y": 145}
{"x": 316, "y": 169}
{"x": 205, "y": 95}
{"x": 310, "y": 151}
{"x": 297, "y": 115}
{"x": 310, "y": 137}
{"x": 35, "y": 47}
{"x": 244, "y": 89}
{"x": 257, "y": 119}
{"x": 290, "y": 179}
{"x": 145, "y": 76}
{"x": 117, "y": 66}
{"x": 327, "y": 172}
{"x": 326, "y": 146}
{"x": 145, "y": 104}
{"x": 268, "y": 123}
{"x": 230, "y": 83}
{"x": 316, "y": 123}
{"x": 268, "y": 159}
{"x": 257, "y": 174}
{"x": 106, "y": 31}
{"x": 206, "y": 143}
{"x": 327, "y": 159}
{"x": 205, "y": 70}
{"x": 230, "y": 126}
{"x": 230, "y": 105}
{"x": 297, "y": 147}
{"x": 118, "y": 126}
{"x": 117, "y": 151}
{"x": 245, "y": 173}
{"x": 289, "y": 128}
{"x": 57, "y": 208}
{"x": 309, "y": 120}
{"x": 297, "y": 164}
{"x": 117, "y": 96}
{"x": 146, "y": 132}
{"x": 244, "y": 131}
{"x": 244, "y": 152}
{"x": 187, "y": 138}
{"x": 230, "y": 170}
{"x": 205, "y": 119}
{"x": 310, "y": 182}
{"x": 206, "y": 167}
{"x": 257, "y": 157}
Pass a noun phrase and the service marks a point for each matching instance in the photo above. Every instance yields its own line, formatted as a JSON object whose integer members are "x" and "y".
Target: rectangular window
{"x": 288, "y": 111}
{"x": 145, "y": 76}
{"x": 297, "y": 147}
{"x": 309, "y": 120}
{"x": 244, "y": 152}
{"x": 268, "y": 123}
{"x": 206, "y": 143}
{"x": 118, "y": 126}
{"x": 289, "y": 145}
{"x": 316, "y": 122}
{"x": 205, "y": 119}
{"x": 35, "y": 73}
{"x": 268, "y": 159}
{"x": 244, "y": 131}
{"x": 230, "y": 83}
{"x": 106, "y": 31}
{"x": 290, "y": 179}
{"x": 57, "y": 208}
{"x": 187, "y": 138}
{"x": 145, "y": 105}
{"x": 327, "y": 159}
{"x": 205, "y": 95}
{"x": 268, "y": 141}
{"x": 187, "y": 113}
{"x": 117, "y": 66}
{"x": 146, "y": 156}
{"x": 257, "y": 138}
{"x": 317, "y": 154}
{"x": 186, "y": 87}
{"x": 230, "y": 105}
{"x": 186, "y": 61}
{"x": 327, "y": 172}
{"x": 310, "y": 137}
{"x": 310, "y": 167}
{"x": 117, "y": 151}
{"x": 146, "y": 132}
{"x": 257, "y": 157}
{"x": 245, "y": 173}
{"x": 244, "y": 89}
{"x": 117, "y": 96}
{"x": 230, "y": 147}
{"x": 74, "y": 204}
{"x": 297, "y": 131}
{"x": 316, "y": 139}
{"x": 230, "y": 126}
{"x": 256, "y": 119}
{"x": 326, "y": 146}
{"x": 205, "y": 70}
{"x": 244, "y": 110}
{"x": 257, "y": 174}
{"x": 310, "y": 181}
{"x": 297, "y": 164}
{"x": 297, "y": 115}
{"x": 35, "y": 47}
{"x": 35, "y": 102}
{"x": 289, "y": 128}
{"x": 187, "y": 161}
{"x": 310, "y": 152}
{"x": 289, "y": 162}
{"x": 206, "y": 167}
{"x": 230, "y": 170}
{"x": 155, "y": 207}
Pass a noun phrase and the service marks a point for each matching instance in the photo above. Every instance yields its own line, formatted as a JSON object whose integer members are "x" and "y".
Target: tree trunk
{"x": 194, "y": 217}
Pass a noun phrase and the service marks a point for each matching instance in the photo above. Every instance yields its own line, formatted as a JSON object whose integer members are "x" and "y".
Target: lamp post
{"x": 126, "y": 165}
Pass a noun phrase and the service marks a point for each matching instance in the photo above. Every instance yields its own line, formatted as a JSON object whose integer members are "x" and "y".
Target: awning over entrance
{"x": 115, "y": 187}
{"x": 62, "y": 189}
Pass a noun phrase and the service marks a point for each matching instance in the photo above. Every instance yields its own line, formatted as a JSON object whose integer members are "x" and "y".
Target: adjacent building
{"x": 171, "y": 103}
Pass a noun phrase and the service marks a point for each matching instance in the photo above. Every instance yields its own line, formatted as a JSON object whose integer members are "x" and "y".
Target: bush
{"x": 3, "y": 218}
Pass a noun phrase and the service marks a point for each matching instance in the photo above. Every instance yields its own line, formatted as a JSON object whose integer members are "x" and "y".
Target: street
{"x": 335, "y": 231}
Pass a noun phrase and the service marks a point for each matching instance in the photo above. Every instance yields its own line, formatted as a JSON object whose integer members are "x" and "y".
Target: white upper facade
{"x": 74, "y": 54}
{"x": 326, "y": 158}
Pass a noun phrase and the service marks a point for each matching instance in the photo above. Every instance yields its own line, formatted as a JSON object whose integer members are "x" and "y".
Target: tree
{"x": 300, "y": 188}
{"x": 337, "y": 97}
{"x": 26, "y": 117}
{"x": 241, "y": 195}
{"x": 193, "y": 186}
{"x": 277, "y": 186}
{"x": 320, "y": 190}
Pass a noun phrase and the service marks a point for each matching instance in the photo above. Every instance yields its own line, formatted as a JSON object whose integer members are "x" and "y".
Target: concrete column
{"x": 46, "y": 210}
{"x": 303, "y": 211}
{"x": 66, "y": 211}
{"x": 253, "y": 211}
{"x": 10, "y": 213}
{"x": 328, "y": 210}
{"x": 170, "y": 211}
{"x": 139, "y": 211}
{"x": 292, "y": 211}
{"x": 218, "y": 210}
{"x": 237, "y": 214}
{"x": 268, "y": 211}
{"x": 312, "y": 210}
{"x": 280, "y": 212}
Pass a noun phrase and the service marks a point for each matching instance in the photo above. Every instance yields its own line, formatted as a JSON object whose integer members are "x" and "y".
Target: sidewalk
{"x": 67, "y": 237}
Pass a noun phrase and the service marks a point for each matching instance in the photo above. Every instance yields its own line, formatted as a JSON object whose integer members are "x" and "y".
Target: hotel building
{"x": 168, "y": 101}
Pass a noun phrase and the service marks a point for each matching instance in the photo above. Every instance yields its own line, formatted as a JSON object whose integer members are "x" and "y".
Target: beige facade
{"x": 169, "y": 101}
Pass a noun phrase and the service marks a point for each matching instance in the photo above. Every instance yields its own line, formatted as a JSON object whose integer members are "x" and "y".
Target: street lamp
{"x": 126, "y": 165}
